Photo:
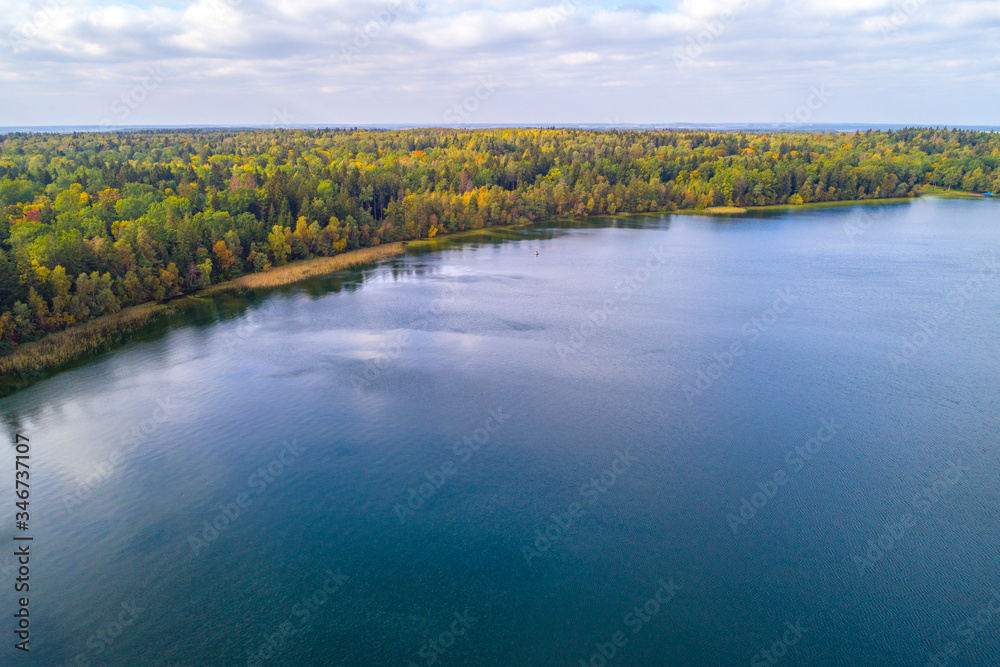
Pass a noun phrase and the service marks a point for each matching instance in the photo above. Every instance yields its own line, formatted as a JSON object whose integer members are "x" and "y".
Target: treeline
{"x": 92, "y": 223}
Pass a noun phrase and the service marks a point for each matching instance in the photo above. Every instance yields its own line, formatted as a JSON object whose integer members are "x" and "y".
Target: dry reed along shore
{"x": 58, "y": 349}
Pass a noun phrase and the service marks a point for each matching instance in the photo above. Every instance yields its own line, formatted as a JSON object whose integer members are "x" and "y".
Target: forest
{"x": 92, "y": 223}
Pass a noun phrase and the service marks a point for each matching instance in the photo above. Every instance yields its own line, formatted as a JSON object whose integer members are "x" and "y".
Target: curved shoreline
{"x": 305, "y": 269}
{"x": 60, "y": 349}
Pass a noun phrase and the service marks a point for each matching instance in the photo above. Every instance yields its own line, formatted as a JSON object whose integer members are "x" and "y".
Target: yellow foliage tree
{"x": 224, "y": 257}
{"x": 279, "y": 247}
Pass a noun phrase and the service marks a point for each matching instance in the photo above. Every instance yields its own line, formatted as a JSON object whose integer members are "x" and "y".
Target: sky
{"x": 451, "y": 62}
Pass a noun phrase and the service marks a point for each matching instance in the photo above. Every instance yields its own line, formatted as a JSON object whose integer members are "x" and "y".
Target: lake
{"x": 662, "y": 440}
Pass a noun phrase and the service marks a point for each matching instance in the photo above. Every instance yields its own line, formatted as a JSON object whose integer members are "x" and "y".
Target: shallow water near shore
{"x": 665, "y": 439}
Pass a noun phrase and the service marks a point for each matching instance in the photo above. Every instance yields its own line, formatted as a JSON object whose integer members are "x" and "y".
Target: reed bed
{"x": 60, "y": 348}
{"x": 321, "y": 266}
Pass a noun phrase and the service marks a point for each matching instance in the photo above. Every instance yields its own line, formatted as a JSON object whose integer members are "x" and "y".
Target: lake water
{"x": 672, "y": 440}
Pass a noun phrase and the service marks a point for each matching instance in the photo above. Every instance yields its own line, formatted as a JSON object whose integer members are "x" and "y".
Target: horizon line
{"x": 790, "y": 127}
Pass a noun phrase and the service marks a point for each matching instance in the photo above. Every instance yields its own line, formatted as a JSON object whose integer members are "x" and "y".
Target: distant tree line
{"x": 91, "y": 223}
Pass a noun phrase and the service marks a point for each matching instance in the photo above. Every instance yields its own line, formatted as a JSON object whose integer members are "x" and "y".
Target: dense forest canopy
{"x": 94, "y": 222}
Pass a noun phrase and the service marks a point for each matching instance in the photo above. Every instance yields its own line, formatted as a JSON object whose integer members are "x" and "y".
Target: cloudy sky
{"x": 435, "y": 62}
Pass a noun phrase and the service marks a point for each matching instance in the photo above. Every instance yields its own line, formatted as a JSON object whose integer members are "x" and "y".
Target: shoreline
{"x": 938, "y": 191}
{"x": 305, "y": 269}
{"x": 743, "y": 210}
{"x": 62, "y": 348}
{"x": 736, "y": 210}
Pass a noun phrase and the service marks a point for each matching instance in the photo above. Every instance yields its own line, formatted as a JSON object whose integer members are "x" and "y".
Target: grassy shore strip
{"x": 311, "y": 268}
{"x": 61, "y": 348}
{"x": 58, "y": 349}
{"x": 443, "y": 240}
{"x": 938, "y": 191}
{"x": 724, "y": 210}
{"x": 739, "y": 210}
{"x": 834, "y": 204}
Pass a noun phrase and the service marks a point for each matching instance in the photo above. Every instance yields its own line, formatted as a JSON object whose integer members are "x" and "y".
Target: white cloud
{"x": 579, "y": 58}
{"x": 406, "y": 61}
